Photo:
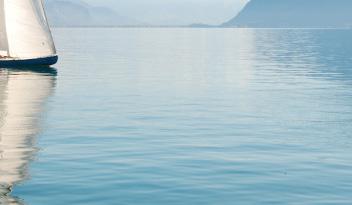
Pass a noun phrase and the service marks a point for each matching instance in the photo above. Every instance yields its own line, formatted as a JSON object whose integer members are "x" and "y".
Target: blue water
{"x": 181, "y": 116}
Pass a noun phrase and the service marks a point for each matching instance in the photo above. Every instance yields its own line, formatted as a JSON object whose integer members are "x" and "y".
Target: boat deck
{"x": 5, "y": 58}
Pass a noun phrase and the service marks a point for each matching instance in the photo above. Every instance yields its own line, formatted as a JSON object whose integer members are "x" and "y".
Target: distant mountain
{"x": 62, "y": 13}
{"x": 294, "y": 14}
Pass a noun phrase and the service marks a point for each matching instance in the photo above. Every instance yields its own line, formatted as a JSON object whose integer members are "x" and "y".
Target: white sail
{"x": 28, "y": 33}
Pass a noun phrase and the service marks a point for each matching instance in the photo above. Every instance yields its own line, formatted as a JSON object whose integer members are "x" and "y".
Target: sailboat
{"x": 25, "y": 36}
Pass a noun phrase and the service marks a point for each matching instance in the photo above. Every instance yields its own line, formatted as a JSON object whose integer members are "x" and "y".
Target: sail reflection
{"x": 22, "y": 95}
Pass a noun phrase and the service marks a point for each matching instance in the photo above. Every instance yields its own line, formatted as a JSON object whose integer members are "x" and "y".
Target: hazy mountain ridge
{"x": 62, "y": 13}
{"x": 294, "y": 14}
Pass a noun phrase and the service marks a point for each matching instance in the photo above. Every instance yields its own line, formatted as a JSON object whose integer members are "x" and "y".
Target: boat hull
{"x": 42, "y": 61}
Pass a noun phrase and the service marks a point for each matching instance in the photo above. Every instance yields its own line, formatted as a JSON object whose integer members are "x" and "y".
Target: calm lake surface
{"x": 181, "y": 116}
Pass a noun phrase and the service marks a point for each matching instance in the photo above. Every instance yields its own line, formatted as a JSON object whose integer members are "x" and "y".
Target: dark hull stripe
{"x": 46, "y": 61}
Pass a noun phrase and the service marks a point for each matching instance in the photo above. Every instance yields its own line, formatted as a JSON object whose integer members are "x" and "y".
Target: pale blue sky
{"x": 175, "y": 11}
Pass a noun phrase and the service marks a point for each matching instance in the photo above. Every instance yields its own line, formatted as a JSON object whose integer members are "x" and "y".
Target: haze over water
{"x": 184, "y": 116}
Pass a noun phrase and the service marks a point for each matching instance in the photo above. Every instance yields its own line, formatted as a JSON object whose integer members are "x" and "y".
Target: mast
{"x": 4, "y": 45}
